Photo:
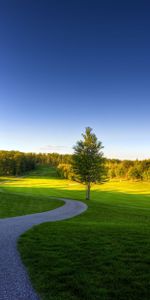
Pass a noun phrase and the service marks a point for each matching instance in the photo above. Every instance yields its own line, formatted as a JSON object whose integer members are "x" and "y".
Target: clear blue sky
{"x": 65, "y": 65}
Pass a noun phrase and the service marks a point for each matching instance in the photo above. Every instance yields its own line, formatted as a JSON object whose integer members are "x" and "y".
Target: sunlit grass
{"x": 49, "y": 184}
{"x": 16, "y": 201}
{"x": 49, "y": 178}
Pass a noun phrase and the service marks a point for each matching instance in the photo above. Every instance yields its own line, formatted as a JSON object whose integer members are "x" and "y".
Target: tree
{"x": 87, "y": 160}
{"x": 135, "y": 173}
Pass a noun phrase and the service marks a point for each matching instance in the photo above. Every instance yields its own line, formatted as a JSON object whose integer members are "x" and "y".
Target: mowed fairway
{"x": 101, "y": 254}
{"x": 14, "y": 204}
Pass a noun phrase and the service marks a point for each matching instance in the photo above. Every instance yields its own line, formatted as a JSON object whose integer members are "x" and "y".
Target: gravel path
{"x": 14, "y": 281}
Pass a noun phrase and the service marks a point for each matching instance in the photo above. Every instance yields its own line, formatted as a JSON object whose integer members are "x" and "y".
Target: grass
{"x": 12, "y": 205}
{"x": 102, "y": 254}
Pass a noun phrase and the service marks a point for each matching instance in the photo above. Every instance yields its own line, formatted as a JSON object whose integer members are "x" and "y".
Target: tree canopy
{"x": 87, "y": 160}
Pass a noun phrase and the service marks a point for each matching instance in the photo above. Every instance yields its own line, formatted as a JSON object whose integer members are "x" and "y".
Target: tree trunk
{"x": 88, "y": 191}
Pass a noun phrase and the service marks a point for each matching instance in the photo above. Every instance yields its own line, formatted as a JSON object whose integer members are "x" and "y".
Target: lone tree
{"x": 87, "y": 161}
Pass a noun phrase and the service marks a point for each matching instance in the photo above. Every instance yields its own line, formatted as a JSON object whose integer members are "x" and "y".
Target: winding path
{"x": 14, "y": 281}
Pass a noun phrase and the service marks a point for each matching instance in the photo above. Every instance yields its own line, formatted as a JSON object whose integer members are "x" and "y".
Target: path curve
{"x": 14, "y": 281}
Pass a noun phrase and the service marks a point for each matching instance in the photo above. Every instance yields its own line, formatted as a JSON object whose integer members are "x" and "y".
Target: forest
{"x": 15, "y": 163}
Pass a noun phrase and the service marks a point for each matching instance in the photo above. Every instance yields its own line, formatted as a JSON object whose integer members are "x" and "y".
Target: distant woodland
{"x": 15, "y": 163}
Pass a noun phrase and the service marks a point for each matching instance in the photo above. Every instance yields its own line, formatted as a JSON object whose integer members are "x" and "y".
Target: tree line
{"x": 15, "y": 163}
{"x": 115, "y": 169}
{"x": 18, "y": 163}
{"x": 128, "y": 169}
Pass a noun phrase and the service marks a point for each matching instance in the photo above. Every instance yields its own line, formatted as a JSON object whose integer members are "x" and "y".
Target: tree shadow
{"x": 108, "y": 208}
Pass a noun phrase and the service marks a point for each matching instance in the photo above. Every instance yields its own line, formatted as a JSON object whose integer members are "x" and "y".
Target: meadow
{"x": 102, "y": 254}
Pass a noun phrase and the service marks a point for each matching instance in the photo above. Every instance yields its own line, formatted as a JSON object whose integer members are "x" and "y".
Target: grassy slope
{"x": 102, "y": 254}
{"x": 13, "y": 203}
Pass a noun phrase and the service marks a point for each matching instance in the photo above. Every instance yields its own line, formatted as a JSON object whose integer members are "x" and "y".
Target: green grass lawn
{"x": 16, "y": 202}
{"x": 102, "y": 254}
{"x": 12, "y": 205}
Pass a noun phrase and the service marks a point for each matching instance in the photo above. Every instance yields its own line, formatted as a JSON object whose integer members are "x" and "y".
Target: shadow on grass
{"x": 43, "y": 172}
{"x": 105, "y": 206}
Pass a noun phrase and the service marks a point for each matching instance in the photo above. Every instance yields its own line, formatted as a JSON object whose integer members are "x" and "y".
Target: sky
{"x": 66, "y": 65}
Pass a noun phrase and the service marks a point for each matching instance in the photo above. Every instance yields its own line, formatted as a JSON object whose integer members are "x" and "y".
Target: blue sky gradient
{"x": 65, "y": 65}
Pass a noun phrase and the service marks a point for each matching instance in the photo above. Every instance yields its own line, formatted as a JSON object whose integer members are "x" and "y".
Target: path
{"x": 14, "y": 281}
